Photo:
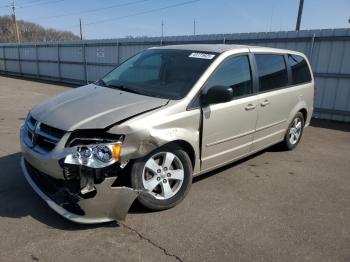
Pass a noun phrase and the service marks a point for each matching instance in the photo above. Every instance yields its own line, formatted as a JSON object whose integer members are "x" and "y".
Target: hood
{"x": 92, "y": 107}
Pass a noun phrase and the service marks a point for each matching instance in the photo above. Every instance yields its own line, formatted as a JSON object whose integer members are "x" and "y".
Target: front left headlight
{"x": 96, "y": 155}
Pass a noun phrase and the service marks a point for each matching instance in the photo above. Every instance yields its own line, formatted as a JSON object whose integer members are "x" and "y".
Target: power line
{"x": 91, "y": 10}
{"x": 143, "y": 12}
{"x": 44, "y": 3}
{"x": 35, "y": 3}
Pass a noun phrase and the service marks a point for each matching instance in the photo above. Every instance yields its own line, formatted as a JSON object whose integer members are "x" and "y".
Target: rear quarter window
{"x": 300, "y": 69}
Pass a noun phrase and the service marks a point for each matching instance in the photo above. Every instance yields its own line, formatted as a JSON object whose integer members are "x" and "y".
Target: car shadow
{"x": 328, "y": 124}
{"x": 18, "y": 200}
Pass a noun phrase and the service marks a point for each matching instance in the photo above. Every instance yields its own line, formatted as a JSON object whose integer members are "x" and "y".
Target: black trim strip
{"x": 332, "y": 75}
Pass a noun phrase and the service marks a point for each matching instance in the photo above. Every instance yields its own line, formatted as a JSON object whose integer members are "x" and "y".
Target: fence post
{"x": 312, "y": 46}
{"x": 37, "y": 61}
{"x": 59, "y": 62}
{"x": 118, "y": 53}
{"x": 84, "y": 61}
{"x": 19, "y": 60}
{"x": 4, "y": 57}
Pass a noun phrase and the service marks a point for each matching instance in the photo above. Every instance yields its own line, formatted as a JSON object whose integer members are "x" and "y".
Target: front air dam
{"x": 109, "y": 203}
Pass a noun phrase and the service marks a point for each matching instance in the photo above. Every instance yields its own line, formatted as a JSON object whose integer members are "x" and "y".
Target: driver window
{"x": 234, "y": 72}
{"x": 147, "y": 69}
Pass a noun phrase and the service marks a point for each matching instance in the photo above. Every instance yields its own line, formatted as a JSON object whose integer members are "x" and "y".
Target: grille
{"x": 40, "y": 137}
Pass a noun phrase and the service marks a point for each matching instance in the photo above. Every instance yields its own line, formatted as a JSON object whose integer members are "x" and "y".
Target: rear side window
{"x": 272, "y": 71}
{"x": 235, "y": 73}
{"x": 300, "y": 69}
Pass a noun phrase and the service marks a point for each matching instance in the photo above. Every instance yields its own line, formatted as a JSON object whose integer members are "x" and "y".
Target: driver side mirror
{"x": 217, "y": 94}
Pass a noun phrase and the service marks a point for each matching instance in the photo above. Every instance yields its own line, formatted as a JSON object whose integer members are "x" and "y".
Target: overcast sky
{"x": 110, "y": 19}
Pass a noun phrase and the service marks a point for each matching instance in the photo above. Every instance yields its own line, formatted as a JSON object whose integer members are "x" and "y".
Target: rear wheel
{"x": 166, "y": 175}
{"x": 294, "y": 132}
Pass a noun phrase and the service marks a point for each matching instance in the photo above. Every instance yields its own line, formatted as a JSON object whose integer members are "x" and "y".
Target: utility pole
{"x": 194, "y": 26}
{"x": 81, "y": 29}
{"x": 300, "y": 12}
{"x": 13, "y": 7}
{"x": 162, "y": 29}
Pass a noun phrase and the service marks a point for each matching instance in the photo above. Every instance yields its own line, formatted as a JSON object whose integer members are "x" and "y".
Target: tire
{"x": 292, "y": 138}
{"x": 153, "y": 171}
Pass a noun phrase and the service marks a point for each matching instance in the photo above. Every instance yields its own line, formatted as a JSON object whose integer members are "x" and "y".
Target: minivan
{"x": 163, "y": 116}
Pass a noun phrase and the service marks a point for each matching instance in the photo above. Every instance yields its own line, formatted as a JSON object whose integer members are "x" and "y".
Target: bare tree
{"x": 31, "y": 32}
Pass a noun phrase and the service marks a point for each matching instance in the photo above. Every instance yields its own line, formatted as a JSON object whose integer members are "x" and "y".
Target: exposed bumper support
{"x": 109, "y": 204}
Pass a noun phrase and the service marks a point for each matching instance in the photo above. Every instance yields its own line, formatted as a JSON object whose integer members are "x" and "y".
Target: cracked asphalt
{"x": 273, "y": 206}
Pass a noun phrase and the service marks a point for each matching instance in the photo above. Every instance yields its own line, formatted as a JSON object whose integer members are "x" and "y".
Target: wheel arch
{"x": 187, "y": 147}
{"x": 300, "y": 107}
{"x": 304, "y": 112}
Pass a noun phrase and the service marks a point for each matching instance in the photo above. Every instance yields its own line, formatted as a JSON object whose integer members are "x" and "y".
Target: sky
{"x": 119, "y": 18}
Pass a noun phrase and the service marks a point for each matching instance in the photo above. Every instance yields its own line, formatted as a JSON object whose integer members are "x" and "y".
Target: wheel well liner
{"x": 304, "y": 112}
{"x": 188, "y": 148}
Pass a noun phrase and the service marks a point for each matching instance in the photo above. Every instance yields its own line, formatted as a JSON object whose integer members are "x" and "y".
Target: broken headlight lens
{"x": 95, "y": 156}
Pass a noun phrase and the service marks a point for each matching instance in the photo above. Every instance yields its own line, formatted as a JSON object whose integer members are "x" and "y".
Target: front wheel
{"x": 166, "y": 175}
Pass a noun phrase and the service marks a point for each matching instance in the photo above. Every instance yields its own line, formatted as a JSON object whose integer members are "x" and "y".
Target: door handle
{"x": 265, "y": 102}
{"x": 250, "y": 107}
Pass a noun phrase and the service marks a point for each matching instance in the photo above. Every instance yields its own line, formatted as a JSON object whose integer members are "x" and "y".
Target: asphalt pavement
{"x": 273, "y": 206}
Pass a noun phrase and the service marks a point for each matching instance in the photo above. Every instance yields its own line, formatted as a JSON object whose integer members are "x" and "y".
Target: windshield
{"x": 164, "y": 73}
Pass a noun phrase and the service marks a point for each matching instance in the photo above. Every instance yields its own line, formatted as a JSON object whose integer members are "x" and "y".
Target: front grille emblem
{"x": 35, "y": 133}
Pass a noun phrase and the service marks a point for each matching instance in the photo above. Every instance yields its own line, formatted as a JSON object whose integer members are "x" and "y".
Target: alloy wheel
{"x": 163, "y": 175}
{"x": 295, "y": 131}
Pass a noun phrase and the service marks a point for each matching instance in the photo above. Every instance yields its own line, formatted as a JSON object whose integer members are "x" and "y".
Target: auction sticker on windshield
{"x": 202, "y": 55}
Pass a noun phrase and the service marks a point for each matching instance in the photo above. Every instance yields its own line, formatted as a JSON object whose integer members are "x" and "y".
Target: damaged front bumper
{"x": 83, "y": 198}
{"x": 109, "y": 203}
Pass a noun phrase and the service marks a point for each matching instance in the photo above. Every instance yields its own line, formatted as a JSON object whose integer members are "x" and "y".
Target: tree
{"x": 31, "y": 32}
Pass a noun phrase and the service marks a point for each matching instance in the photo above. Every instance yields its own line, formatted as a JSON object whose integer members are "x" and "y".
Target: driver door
{"x": 228, "y": 128}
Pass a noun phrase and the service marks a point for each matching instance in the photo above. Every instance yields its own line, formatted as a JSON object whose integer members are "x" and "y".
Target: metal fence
{"x": 84, "y": 61}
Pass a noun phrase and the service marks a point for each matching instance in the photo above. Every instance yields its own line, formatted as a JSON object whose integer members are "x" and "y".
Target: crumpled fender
{"x": 148, "y": 132}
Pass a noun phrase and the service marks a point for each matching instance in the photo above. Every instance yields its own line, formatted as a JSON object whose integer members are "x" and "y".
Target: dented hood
{"x": 92, "y": 107}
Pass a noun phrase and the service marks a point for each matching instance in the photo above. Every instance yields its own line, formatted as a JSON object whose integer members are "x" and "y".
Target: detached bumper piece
{"x": 108, "y": 204}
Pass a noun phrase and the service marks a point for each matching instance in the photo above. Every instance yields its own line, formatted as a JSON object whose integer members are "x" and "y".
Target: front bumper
{"x": 109, "y": 204}
{"x": 45, "y": 176}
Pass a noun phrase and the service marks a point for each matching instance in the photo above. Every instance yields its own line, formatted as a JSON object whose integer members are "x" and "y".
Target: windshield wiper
{"x": 101, "y": 83}
{"x": 125, "y": 88}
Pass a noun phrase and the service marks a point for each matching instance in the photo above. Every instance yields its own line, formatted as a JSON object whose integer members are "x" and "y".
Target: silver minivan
{"x": 163, "y": 116}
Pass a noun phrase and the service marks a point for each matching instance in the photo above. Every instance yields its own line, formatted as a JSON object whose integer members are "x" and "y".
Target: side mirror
{"x": 217, "y": 94}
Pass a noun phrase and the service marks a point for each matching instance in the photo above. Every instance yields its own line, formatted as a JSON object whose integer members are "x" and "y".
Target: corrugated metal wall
{"x": 82, "y": 61}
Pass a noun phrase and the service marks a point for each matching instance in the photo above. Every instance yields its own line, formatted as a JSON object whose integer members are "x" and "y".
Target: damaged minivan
{"x": 161, "y": 117}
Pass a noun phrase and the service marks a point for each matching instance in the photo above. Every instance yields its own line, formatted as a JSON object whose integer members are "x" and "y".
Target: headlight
{"x": 95, "y": 156}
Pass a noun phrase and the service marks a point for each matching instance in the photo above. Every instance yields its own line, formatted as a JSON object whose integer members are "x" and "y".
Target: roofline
{"x": 230, "y": 47}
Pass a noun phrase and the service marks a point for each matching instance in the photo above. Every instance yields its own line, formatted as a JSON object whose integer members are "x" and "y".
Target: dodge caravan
{"x": 161, "y": 117}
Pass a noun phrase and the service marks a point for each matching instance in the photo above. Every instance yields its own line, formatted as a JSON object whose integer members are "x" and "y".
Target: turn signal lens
{"x": 116, "y": 150}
